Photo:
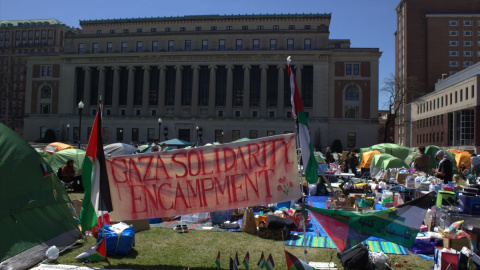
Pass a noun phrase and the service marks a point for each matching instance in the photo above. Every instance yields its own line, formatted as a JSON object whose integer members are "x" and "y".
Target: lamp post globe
{"x": 159, "y": 127}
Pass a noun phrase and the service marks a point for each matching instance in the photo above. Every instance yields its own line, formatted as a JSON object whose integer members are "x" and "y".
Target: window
{"x": 109, "y": 47}
{"x": 466, "y": 93}
{"x": 273, "y": 44}
{"x": 276, "y": 27}
{"x": 153, "y": 29}
{"x": 45, "y": 100}
{"x": 453, "y": 33}
{"x": 238, "y": 46}
{"x": 168, "y": 29}
{"x": 467, "y": 43}
{"x": 456, "y": 96}
{"x": 351, "y": 139}
{"x": 221, "y": 45}
{"x": 453, "y": 53}
{"x": 352, "y": 99}
{"x": 125, "y": 31}
{"x": 291, "y": 27}
{"x": 244, "y": 27}
{"x": 99, "y": 32}
{"x": 270, "y": 132}
{"x": 235, "y": 135}
{"x": 348, "y": 69}
{"x": 256, "y": 44}
{"x": 124, "y": 47}
{"x": 351, "y": 112}
{"x": 139, "y": 30}
{"x": 81, "y": 48}
{"x": 112, "y": 31}
{"x": 139, "y": 46}
{"x": 356, "y": 69}
{"x": 171, "y": 45}
{"x": 154, "y": 46}
{"x": 453, "y": 23}
{"x": 453, "y": 43}
{"x": 307, "y": 44}
{"x": 253, "y": 134}
{"x": 198, "y": 28}
{"x": 290, "y": 44}
{"x": 467, "y": 23}
{"x": 151, "y": 134}
{"x": 119, "y": 134}
{"x": 183, "y": 28}
{"x": 205, "y": 45}
{"x": 467, "y": 53}
{"x": 135, "y": 134}
{"x": 467, "y": 33}
{"x": 219, "y": 135}
{"x": 461, "y": 95}
{"x": 228, "y": 28}
{"x": 467, "y": 63}
{"x": 259, "y": 27}
{"x": 188, "y": 45}
{"x": 453, "y": 63}
{"x": 213, "y": 28}
{"x": 307, "y": 26}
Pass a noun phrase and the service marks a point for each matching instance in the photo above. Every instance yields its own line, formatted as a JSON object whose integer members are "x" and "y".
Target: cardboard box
{"x": 457, "y": 244}
{"x": 401, "y": 178}
{"x": 139, "y": 225}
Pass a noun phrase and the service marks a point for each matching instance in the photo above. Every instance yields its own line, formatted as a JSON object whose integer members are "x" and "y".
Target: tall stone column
{"x": 263, "y": 92}
{"x": 211, "y": 90}
{"x": 101, "y": 83}
{"x": 87, "y": 89}
{"x": 161, "y": 91}
{"x": 115, "y": 90}
{"x": 229, "y": 96}
{"x": 246, "y": 90}
{"x": 196, "y": 70}
{"x": 281, "y": 90}
{"x": 145, "y": 90}
{"x": 298, "y": 77}
{"x": 130, "y": 91}
{"x": 178, "y": 91}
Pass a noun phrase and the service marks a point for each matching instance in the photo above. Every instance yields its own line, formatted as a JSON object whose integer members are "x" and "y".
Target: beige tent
{"x": 367, "y": 159}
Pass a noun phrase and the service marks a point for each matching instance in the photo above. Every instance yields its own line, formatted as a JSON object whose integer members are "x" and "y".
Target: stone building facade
{"x": 226, "y": 75}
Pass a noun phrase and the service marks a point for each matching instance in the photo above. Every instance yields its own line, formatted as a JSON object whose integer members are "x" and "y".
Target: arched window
{"x": 45, "y": 100}
{"x": 352, "y": 102}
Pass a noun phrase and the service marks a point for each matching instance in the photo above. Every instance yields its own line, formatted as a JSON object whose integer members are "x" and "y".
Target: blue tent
{"x": 178, "y": 143}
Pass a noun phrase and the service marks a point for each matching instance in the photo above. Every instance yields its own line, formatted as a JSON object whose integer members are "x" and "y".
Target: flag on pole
{"x": 217, "y": 261}
{"x": 95, "y": 253}
{"x": 246, "y": 260}
{"x": 237, "y": 262}
{"x": 261, "y": 262}
{"x": 308, "y": 158}
{"x": 399, "y": 225}
{"x": 97, "y": 200}
{"x": 294, "y": 263}
{"x": 233, "y": 265}
{"x": 269, "y": 265}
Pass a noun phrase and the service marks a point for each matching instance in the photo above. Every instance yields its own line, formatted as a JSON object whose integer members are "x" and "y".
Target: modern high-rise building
{"x": 19, "y": 39}
{"x": 434, "y": 39}
{"x": 226, "y": 75}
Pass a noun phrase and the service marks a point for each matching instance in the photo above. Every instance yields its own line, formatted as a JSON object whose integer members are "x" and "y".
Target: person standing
{"x": 329, "y": 156}
{"x": 444, "y": 169}
{"x": 475, "y": 167}
{"x": 352, "y": 161}
{"x": 422, "y": 161}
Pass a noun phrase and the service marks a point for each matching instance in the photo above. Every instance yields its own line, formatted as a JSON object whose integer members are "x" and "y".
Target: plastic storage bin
{"x": 446, "y": 198}
{"x": 469, "y": 204}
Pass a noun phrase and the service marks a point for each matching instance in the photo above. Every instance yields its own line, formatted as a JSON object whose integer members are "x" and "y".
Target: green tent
{"x": 58, "y": 159}
{"x": 385, "y": 161}
{"x": 44, "y": 154}
{"x": 34, "y": 210}
{"x": 395, "y": 150}
{"x": 431, "y": 150}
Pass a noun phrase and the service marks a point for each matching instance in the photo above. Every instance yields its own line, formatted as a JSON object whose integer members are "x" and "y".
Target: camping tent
{"x": 58, "y": 159}
{"x": 34, "y": 210}
{"x": 431, "y": 150}
{"x": 385, "y": 161}
{"x": 461, "y": 157}
{"x": 44, "y": 154}
{"x": 118, "y": 149}
{"x": 367, "y": 158}
{"x": 395, "y": 150}
{"x": 178, "y": 143}
{"x": 57, "y": 146}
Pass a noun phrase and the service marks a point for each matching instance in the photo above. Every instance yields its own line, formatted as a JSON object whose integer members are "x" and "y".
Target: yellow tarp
{"x": 56, "y": 146}
{"x": 367, "y": 158}
{"x": 461, "y": 156}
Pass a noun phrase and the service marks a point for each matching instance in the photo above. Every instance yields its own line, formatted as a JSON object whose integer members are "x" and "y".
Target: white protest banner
{"x": 204, "y": 179}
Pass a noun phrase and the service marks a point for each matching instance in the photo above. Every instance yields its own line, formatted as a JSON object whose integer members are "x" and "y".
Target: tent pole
{"x": 302, "y": 217}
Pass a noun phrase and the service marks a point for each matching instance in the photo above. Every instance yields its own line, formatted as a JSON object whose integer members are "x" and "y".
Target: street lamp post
{"x": 165, "y": 132}
{"x": 80, "y": 110}
{"x": 200, "y": 133}
{"x": 159, "y": 126}
{"x": 68, "y": 132}
{"x": 197, "y": 128}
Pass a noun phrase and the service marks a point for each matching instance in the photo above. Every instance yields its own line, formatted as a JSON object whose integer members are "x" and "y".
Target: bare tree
{"x": 399, "y": 93}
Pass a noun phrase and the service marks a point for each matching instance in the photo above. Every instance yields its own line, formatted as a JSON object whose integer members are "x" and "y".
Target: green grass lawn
{"x": 161, "y": 248}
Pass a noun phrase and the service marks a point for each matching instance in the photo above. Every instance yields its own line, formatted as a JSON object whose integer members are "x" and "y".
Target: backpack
{"x": 356, "y": 258}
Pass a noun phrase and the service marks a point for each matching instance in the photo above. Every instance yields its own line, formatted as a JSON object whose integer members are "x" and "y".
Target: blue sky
{"x": 368, "y": 24}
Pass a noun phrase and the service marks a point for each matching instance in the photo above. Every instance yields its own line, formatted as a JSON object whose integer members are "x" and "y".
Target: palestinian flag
{"x": 269, "y": 265}
{"x": 217, "y": 261}
{"x": 233, "y": 265}
{"x": 237, "y": 262}
{"x": 95, "y": 253}
{"x": 97, "y": 200}
{"x": 399, "y": 225}
{"x": 294, "y": 263}
{"x": 246, "y": 260}
{"x": 261, "y": 262}
{"x": 46, "y": 169}
{"x": 309, "y": 162}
